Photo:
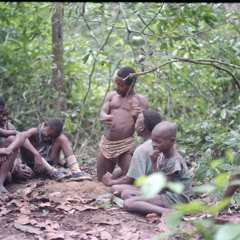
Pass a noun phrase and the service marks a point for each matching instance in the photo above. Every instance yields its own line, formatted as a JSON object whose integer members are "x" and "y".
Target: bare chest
{"x": 119, "y": 102}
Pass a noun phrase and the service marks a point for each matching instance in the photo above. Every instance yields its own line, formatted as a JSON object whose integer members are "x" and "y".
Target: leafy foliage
{"x": 100, "y": 38}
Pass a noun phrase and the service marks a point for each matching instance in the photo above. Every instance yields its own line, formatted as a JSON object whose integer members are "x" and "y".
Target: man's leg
{"x": 6, "y": 167}
{"x": 103, "y": 166}
{"x": 123, "y": 188}
{"x": 124, "y": 162}
{"x": 141, "y": 205}
{"x": 61, "y": 143}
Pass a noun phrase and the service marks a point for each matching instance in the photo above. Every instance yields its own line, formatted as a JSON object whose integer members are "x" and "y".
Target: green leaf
{"x": 138, "y": 182}
{"x": 153, "y": 184}
{"x": 106, "y": 206}
{"x": 221, "y": 179}
{"x": 103, "y": 196}
{"x": 176, "y": 187}
{"x": 103, "y": 53}
{"x": 118, "y": 201}
{"x": 46, "y": 211}
{"x": 224, "y": 113}
{"x": 193, "y": 207}
{"x": 229, "y": 155}
{"x": 173, "y": 219}
{"x": 228, "y": 232}
{"x": 235, "y": 182}
{"x": 85, "y": 58}
{"x": 206, "y": 188}
{"x": 215, "y": 209}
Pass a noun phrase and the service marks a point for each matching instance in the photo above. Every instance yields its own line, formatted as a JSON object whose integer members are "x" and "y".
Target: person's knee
{"x": 116, "y": 189}
{"x": 8, "y": 141}
{"x": 125, "y": 194}
{"x": 127, "y": 205}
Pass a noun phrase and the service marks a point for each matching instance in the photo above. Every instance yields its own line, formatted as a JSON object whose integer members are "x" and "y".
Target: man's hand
{"x": 22, "y": 172}
{"x": 107, "y": 179}
{"x": 38, "y": 164}
{"x": 107, "y": 119}
{"x": 135, "y": 109}
{"x": 4, "y": 153}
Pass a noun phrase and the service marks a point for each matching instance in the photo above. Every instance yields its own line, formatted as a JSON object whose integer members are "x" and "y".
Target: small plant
{"x": 112, "y": 199}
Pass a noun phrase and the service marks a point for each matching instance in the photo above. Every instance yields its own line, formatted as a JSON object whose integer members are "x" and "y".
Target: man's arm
{"x": 105, "y": 117}
{"x": 18, "y": 141}
{"x": 38, "y": 165}
{"x": 109, "y": 181}
{"x": 7, "y": 133}
{"x": 137, "y": 104}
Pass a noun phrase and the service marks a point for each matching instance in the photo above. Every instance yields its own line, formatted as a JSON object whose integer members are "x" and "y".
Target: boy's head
{"x": 124, "y": 72}
{"x": 147, "y": 120}
{"x": 3, "y": 112}
{"x": 52, "y": 129}
{"x": 163, "y": 136}
{"x": 123, "y": 87}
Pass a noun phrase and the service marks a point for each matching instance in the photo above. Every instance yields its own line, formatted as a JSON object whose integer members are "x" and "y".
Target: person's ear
{"x": 45, "y": 124}
{"x": 172, "y": 140}
{"x": 143, "y": 127}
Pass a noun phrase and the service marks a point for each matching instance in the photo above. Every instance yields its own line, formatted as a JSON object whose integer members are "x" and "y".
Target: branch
{"x": 135, "y": 75}
{"x": 210, "y": 62}
{"x": 152, "y": 18}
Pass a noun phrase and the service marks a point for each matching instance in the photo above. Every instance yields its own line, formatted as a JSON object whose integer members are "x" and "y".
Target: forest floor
{"x": 46, "y": 209}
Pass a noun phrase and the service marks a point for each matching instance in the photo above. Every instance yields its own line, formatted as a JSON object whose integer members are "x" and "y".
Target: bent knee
{"x": 127, "y": 205}
{"x": 126, "y": 194}
{"x": 116, "y": 189}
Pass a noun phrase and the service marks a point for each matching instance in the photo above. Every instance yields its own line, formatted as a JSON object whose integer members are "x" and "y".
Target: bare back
{"x": 32, "y": 135}
{"x": 122, "y": 125}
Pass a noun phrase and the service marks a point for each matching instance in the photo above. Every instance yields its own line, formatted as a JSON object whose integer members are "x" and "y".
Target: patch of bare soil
{"x": 46, "y": 209}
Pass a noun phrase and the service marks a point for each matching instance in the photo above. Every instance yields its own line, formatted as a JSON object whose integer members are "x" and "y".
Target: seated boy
{"x": 44, "y": 145}
{"x": 172, "y": 165}
{"x": 141, "y": 162}
{"x": 119, "y": 113}
{"x": 8, "y": 153}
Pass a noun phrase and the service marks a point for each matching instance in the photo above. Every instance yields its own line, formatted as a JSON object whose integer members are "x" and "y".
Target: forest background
{"x": 60, "y": 59}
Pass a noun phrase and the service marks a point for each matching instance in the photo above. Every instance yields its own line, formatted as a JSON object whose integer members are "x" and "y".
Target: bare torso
{"x": 122, "y": 125}
{"x": 34, "y": 140}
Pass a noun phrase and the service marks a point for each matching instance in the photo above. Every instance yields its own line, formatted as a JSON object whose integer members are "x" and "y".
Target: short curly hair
{"x": 56, "y": 125}
{"x": 124, "y": 72}
{"x": 151, "y": 118}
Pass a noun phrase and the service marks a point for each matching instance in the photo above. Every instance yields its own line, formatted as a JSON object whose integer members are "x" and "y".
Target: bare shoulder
{"x": 31, "y": 132}
{"x": 110, "y": 96}
{"x": 142, "y": 101}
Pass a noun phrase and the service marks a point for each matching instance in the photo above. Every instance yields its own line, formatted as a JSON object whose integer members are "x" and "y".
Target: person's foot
{"x": 58, "y": 176}
{"x": 80, "y": 176}
{"x": 6, "y": 196}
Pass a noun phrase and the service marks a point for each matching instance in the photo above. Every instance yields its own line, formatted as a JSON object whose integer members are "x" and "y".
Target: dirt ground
{"x": 46, "y": 209}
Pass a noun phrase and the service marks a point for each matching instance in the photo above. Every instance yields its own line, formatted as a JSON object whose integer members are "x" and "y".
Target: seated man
{"x": 8, "y": 153}
{"x": 44, "y": 145}
{"x": 167, "y": 160}
{"x": 141, "y": 162}
{"x": 19, "y": 170}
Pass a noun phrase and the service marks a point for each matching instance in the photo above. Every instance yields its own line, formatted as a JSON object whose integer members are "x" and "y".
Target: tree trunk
{"x": 57, "y": 50}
